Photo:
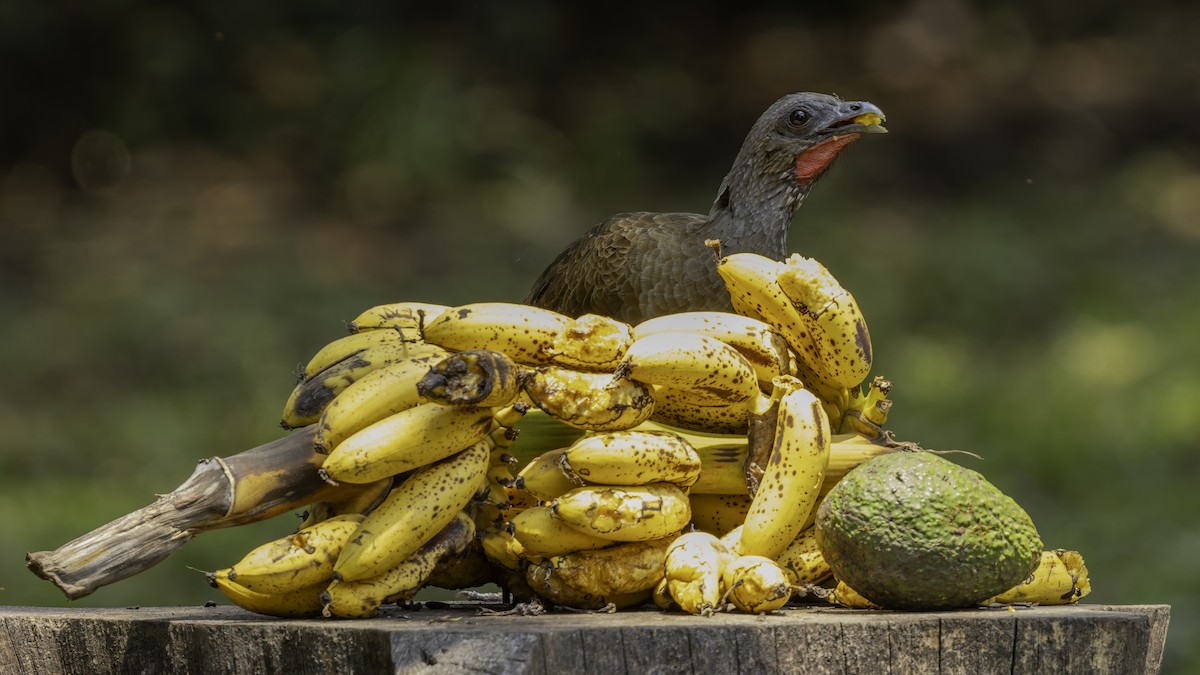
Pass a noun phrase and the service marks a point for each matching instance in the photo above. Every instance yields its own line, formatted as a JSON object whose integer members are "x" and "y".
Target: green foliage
{"x": 195, "y": 198}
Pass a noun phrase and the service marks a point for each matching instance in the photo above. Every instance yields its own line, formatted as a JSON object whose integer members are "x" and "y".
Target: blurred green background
{"x": 195, "y": 197}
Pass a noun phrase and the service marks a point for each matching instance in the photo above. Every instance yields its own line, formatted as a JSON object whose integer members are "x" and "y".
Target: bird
{"x": 638, "y": 265}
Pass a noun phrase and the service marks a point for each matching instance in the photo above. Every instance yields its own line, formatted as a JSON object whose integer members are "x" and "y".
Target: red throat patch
{"x": 811, "y": 163}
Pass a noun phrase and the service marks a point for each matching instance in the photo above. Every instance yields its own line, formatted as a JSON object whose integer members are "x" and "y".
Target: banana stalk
{"x": 222, "y": 492}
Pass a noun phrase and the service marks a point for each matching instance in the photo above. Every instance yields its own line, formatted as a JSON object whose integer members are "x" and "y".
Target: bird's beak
{"x": 861, "y": 117}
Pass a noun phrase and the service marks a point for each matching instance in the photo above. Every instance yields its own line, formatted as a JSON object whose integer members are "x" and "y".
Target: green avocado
{"x": 910, "y": 530}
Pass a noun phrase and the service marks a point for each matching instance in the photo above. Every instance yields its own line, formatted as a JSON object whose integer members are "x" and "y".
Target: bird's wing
{"x": 594, "y": 274}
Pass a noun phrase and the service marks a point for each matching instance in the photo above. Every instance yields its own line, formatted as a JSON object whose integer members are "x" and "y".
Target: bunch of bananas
{"x": 584, "y": 462}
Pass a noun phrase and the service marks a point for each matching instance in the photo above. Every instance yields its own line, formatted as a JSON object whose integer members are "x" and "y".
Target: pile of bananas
{"x": 581, "y": 462}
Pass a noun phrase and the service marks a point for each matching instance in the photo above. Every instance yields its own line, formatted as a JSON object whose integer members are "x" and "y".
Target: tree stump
{"x": 439, "y": 637}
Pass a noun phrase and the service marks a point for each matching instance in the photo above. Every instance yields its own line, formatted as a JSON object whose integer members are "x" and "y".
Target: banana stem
{"x": 222, "y": 492}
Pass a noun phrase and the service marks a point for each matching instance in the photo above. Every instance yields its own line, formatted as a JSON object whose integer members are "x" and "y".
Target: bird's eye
{"x": 799, "y": 117}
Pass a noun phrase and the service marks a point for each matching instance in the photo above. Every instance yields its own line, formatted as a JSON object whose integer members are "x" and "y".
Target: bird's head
{"x": 800, "y": 135}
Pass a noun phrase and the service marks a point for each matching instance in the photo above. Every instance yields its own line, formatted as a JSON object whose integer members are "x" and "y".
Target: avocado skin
{"x": 910, "y": 530}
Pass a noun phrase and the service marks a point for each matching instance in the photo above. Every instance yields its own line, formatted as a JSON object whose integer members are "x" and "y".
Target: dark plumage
{"x": 635, "y": 266}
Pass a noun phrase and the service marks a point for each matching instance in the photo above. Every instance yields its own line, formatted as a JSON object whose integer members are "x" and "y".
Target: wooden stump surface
{"x": 456, "y": 638}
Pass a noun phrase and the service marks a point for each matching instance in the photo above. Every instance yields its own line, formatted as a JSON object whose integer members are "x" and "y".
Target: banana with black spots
{"x": 405, "y": 441}
{"x": 794, "y": 471}
{"x": 412, "y": 513}
{"x": 834, "y": 321}
{"x": 362, "y": 598}
{"x": 297, "y": 560}
{"x": 407, "y": 317}
{"x": 632, "y": 458}
{"x": 765, "y": 350}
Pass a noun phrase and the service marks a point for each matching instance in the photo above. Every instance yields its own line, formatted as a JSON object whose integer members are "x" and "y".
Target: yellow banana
{"x": 497, "y": 480}
{"x": 295, "y": 561}
{"x": 720, "y": 513}
{"x": 722, "y": 458}
{"x": 538, "y": 534}
{"x": 347, "y": 499}
{"x": 510, "y": 416}
{"x": 632, "y": 458}
{"x": 311, "y": 396}
{"x": 407, "y": 317}
{"x": 633, "y": 567}
{"x": 625, "y": 513}
{"x": 349, "y": 346}
{"x": 412, "y": 513}
{"x": 592, "y": 401}
{"x": 765, "y": 350}
{"x": 802, "y": 561}
{"x": 752, "y": 282}
{"x": 405, "y": 441}
{"x": 480, "y": 377}
{"x": 526, "y": 334}
{"x": 498, "y": 550}
{"x": 694, "y": 411}
{"x": 756, "y": 584}
{"x": 1060, "y": 578}
{"x": 793, "y": 475}
{"x": 848, "y": 597}
{"x": 837, "y": 327}
{"x": 543, "y": 476}
{"x": 375, "y": 396}
{"x": 693, "y": 567}
{"x": 867, "y": 412}
{"x": 691, "y": 362}
{"x": 362, "y": 598}
{"x": 294, "y": 604}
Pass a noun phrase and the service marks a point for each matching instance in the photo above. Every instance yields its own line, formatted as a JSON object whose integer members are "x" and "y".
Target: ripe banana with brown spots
{"x": 753, "y": 284}
{"x": 793, "y": 472}
{"x": 802, "y": 561}
{"x": 691, "y": 362}
{"x": 695, "y": 411}
{"x": 373, "y": 397}
{"x": 412, "y": 513}
{"x": 634, "y": 513}
{"x": 765, "y": 350}
{"x": 362, "y": 598}
{"x": 405, "y": 441}
{"x": 1060, "y": 578}
{"x": 407, "y": 317}
{"x": 837, "y": 327}
{"x": 297, "y": 560}
{"x": 532, "y": 335}
{"x": 312, "y": 394}
{"x": 297, "y": 603}
{"x": 537, "y": 534}
{"x": 543, "y": 476}
{"x": 631, "y": 458}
